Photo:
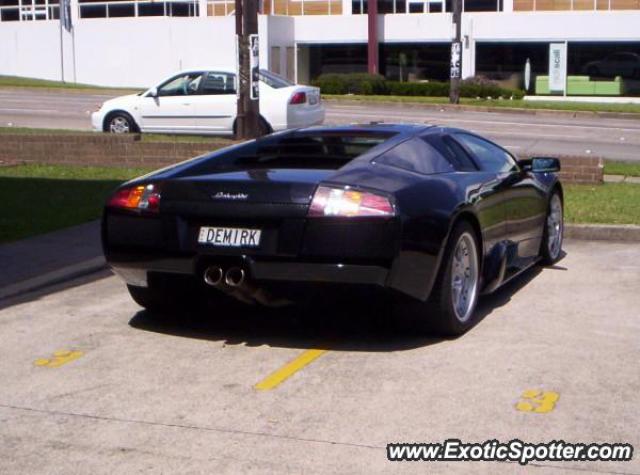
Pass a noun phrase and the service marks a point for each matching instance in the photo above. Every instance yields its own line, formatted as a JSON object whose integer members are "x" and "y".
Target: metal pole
{"x": 456, "y": 54}
{"x": 248, "y": 116}
{"x": 73, "y": 50}
{"x": 61, "y": 43}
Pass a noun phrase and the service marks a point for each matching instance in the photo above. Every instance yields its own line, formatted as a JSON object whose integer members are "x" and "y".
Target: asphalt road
{"x": 522, "y": 133}
{"x": 132, "y": 394}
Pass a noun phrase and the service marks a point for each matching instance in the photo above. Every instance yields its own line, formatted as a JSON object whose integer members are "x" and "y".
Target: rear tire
{"x": 450, "y": 309}
{"x": 265, "y": 127}
{"x": 553, "y": 234}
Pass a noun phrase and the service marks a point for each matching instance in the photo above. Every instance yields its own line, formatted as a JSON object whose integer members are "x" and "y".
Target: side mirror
{"x": 153, "y": 92}
{"x": 540, "y": 165}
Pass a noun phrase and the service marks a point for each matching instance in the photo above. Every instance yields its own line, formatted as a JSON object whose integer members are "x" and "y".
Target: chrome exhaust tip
{"x": 213, "y": 276}
{"x": 235, "y": 277}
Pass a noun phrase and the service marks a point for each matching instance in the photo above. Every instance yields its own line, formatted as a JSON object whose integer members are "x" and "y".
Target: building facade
{"x": 137, "y": 42}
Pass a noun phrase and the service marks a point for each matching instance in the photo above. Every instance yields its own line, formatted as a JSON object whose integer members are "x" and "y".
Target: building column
{"x": 468, "y": 49}
{"x": 75, "y": 12}
{"x": 372, "y": 42}
{"x": 202, "y": 8}
{"x": 347, "y": 7}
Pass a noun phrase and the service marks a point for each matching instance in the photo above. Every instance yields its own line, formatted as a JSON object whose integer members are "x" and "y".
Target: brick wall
{"x": 128, "y": 150}
{"x": 99, "y": 149}
{"x": 588, "y": 170}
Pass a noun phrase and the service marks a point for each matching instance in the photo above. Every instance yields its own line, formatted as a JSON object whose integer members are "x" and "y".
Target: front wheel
{"x": 553, "y": 235}
{"x": 120, "y": 123}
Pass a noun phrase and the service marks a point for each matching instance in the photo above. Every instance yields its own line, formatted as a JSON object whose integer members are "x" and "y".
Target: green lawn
{"x": 622, "y": 168}
{"x": 16, "y": 81}
{"x": 502, "y": 103}
{"x": 40, "y": 198}
{"x": 37, "y": 199}
{"x": 613, "y": 203}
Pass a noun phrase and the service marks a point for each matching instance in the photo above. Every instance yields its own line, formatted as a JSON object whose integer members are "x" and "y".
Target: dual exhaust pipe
{"x": 235, "y": 282}
{"x": 216, "y": 277}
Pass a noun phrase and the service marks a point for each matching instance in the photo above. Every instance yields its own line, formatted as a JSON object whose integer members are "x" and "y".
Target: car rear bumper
{"x": 135, "y": 270}
{"x": 304, "y": 116}
{"x": 292, "y": 250}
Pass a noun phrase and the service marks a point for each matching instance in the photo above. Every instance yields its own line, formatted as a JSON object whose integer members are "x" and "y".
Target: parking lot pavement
{"x": 92, "y": 384}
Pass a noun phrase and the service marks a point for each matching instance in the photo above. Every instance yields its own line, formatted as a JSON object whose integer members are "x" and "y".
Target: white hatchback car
{"x": 203, "y": 101}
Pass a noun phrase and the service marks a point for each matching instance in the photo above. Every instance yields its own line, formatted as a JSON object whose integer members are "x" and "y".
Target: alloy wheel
{"x": 119, "y": 125}
{"x": 555, "y": 227}
{"x": 464, "y": 277}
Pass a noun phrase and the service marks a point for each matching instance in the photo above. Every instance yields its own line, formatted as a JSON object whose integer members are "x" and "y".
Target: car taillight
{"x": 298, "y": 98}
{"x": 140, "y": 197}
{"x": 344, "y": 202}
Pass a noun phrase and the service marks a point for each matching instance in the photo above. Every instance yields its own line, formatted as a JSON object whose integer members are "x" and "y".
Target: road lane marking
{"x": 535, "y": 400}
{"x": 60, "y": 358}
{"x": 288, "y": 370}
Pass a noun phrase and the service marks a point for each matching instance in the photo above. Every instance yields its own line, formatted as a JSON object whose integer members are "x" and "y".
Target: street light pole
{"x": 456, "y": 54}
{"x": 248, "y": 114}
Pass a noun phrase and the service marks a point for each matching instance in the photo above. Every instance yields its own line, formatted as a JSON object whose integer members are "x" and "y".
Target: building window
{"x": 127, "y": 8}
{"x": 482, "y": 5}
{"x": 430, "y": 6}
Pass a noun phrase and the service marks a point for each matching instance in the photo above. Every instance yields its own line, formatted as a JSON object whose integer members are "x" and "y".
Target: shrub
{"x": 373, "y": 84}
{"x": 480, "y": 86}
{"x": 355, "y": 83}
{"x": 430, "y": 89}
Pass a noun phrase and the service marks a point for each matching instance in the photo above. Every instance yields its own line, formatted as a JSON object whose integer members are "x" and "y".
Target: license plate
{"x": 229, "y": 237}
{"x": 313, "y": 99}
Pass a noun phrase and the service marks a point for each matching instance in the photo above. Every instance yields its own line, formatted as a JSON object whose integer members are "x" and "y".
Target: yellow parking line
{"x": 288, "y": 370}
{"x": 60, "y": 358}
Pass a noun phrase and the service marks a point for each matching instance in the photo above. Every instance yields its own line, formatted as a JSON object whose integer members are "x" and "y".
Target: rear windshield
{"x": 319, "y": 150}
{"x": 274, "y": 80}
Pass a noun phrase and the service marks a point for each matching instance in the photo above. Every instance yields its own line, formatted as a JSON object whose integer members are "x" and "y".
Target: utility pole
{"x": 456, "y": 54}
{"x": 248, "y": 124}
{"x": 372, "y": 35}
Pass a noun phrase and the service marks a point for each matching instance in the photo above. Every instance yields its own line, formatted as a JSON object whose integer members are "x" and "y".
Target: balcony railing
{"x": 30, "y": 12}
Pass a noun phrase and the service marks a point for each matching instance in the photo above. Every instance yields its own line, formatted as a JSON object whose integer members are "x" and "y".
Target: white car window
{"x": 216, "y": 83}
{"x": 183, "y": 85}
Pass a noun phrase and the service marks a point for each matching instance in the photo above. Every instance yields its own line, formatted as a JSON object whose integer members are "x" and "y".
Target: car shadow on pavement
{"x": 338, "y": 325}
{"x": 334, "y": 326}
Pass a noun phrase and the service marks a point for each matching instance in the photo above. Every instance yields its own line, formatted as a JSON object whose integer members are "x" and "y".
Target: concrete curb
{"x": 622, "y": 179}
{"x": 54, "y": 277}
{"x": 603, "y": 232}
{"x": 506, "y": 110}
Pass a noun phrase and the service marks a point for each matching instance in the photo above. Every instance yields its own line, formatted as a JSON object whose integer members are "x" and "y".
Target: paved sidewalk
{"x": 43, "y": 260}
